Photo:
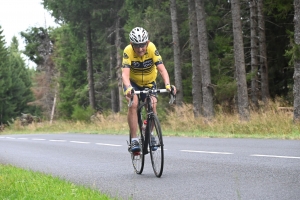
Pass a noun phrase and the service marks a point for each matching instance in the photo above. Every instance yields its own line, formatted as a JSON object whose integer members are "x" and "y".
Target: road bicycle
{"x": 150, "y": 138}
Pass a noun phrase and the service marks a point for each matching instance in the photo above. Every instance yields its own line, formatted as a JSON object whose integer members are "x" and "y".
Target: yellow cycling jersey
{"x": 143, "y": 69}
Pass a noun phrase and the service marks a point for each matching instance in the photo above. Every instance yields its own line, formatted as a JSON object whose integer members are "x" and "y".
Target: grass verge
{"x": 267, "y": 122}
{"x": 16, "y": 183}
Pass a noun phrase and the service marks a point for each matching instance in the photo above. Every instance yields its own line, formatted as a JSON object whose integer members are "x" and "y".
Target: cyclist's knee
{"x": 154, "y": 101}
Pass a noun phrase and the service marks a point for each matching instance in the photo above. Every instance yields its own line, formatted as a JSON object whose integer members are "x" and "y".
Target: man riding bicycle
{"x": 140, "y": 64}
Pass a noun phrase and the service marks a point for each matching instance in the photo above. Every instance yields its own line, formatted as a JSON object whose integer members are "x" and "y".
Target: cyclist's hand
{"x": 129, "y": 92}
{"x": 171, "y": 88}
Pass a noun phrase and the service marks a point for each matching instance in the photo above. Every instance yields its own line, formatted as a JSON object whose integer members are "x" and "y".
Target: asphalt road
{"x": 195, "y": 168}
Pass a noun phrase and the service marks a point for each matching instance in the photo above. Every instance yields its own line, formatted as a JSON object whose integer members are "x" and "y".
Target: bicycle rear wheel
{"x": 138, "y": 157}
{"x": 157, "y": 147}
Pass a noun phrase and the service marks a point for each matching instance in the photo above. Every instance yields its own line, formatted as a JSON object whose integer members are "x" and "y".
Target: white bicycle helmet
{"x": 138, "y": 35}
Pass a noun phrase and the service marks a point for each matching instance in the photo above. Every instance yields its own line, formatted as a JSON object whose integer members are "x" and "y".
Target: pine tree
{"x": 20, "y": 90}
{"x": 176, "y": 50}
{"x": 6, "y": 109}
{"x": 73, "y": 89}
{"x": 195, "y": 54}
{"x": 242, "y": 93}
{"x": 263, "y": 60}
{"x": 254, "y": 52}
{"x": 39, "y": 48}
{"x": 207, "y": 89}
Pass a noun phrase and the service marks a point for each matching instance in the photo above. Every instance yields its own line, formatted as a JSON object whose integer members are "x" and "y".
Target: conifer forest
{"x": 237, "y": 54}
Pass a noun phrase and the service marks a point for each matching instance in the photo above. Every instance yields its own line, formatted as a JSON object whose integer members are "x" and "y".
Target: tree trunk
{"x": 54, "y": 105}
{"x": 254, "y": 53}
{"x": 207, "y": 89}
{"x": 265, "y": 95}
{"x": 90, "y": 74}
{"x": 119, "y": 64}
{"x": 296, "y": 90}
{"x": 196, "y": 78}
{"x": 113, "y": 78}
{"x": 242, "y": 93}
{"x": 176, "y": 49}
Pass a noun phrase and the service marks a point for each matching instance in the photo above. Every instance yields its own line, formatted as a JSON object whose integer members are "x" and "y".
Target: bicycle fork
{"x": 147, "y": 134}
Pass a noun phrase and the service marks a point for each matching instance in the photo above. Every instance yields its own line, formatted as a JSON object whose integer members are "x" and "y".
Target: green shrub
{"x": 82, "y": 114}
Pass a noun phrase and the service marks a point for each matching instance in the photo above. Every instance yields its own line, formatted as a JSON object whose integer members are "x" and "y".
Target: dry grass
{"x": 268, "y": 122}
{"x": 113, "y": 123}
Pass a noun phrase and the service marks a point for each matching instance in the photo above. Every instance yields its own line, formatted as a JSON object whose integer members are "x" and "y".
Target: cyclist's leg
{"x": 153, "y": 98}
{"x": 131, "y": 114}
{"x": 154, "y": 103}
{"x": 132, "y": 119}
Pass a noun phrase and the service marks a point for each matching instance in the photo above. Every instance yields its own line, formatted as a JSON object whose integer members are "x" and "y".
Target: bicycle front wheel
{"x": 156, "y": 146}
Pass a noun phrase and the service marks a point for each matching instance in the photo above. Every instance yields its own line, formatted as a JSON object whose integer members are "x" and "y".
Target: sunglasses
{"x": 142, "y": 45}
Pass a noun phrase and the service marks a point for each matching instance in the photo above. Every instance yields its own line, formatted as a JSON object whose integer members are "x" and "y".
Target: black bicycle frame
{"x": 150, "y": 114}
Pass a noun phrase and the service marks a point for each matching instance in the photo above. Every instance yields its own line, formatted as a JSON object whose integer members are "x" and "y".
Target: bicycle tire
{"x": 157, "y": 149}
{"x": 138, "y": 159}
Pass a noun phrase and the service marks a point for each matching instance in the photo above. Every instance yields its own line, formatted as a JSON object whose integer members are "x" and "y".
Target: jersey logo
{"x": 148, "y": 63}
{"x": 125, "y": 56}
{"x": 136, "y": 64}
{"x": 156, "y": 53}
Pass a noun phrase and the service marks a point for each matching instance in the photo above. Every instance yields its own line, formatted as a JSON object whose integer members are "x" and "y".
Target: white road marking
{"x": 274, "y": 156}
{"x": 113, "y": 145}
{"x": 191, "y": 151}
{"x": 209, "y": 152}
{"x": 79, "y": 142}
{"x": 39, "y": 139}
{"x": 10, "y": 138}
{"x": 57, "y": 140}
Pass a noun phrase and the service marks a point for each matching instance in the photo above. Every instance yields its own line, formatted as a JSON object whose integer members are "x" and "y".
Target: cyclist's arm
{"x": 126, "y": 76}
{"x": 165, "y": 75}
{"x": 126, "y": 62}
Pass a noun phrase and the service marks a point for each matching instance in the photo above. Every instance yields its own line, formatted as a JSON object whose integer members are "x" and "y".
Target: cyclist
{"x": 140, "y": 64}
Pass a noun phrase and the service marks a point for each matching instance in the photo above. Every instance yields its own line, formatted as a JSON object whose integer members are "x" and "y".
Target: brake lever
{"x": 173, "y": 96}
{"x": 131, "y": 99}
{"x": 172, "y": 99}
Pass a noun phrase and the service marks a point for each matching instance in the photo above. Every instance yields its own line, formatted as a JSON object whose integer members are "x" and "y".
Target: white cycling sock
{"x": 132, "y": 139}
